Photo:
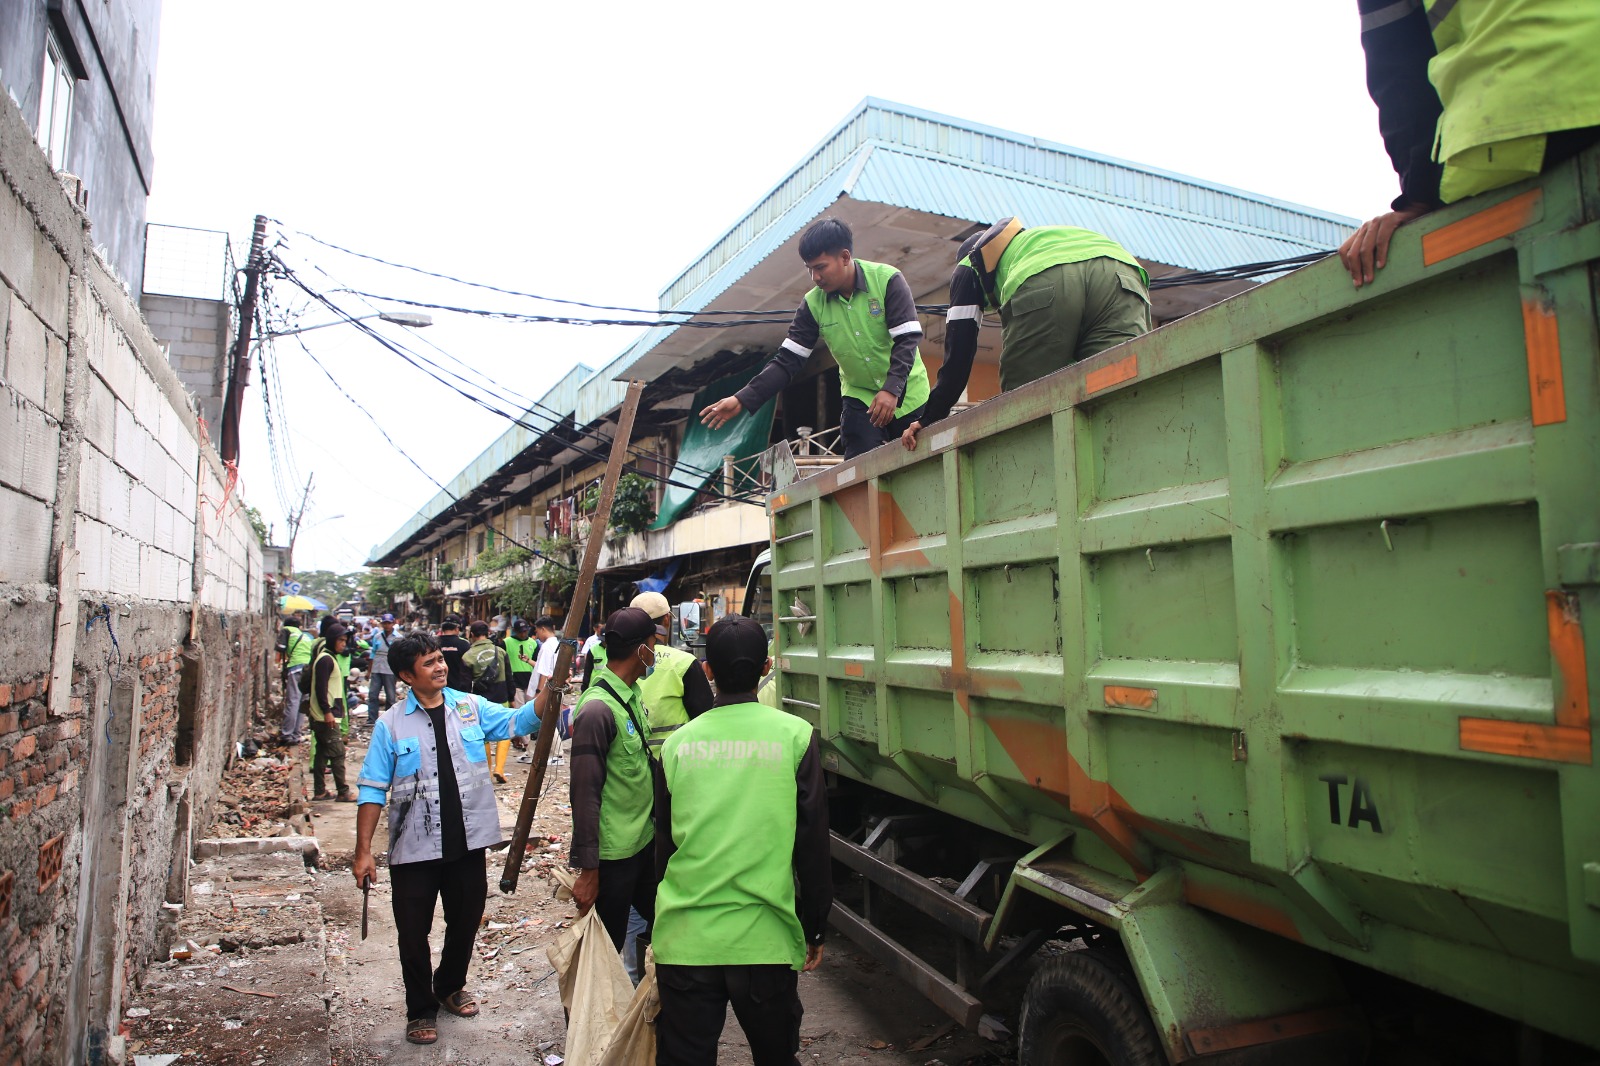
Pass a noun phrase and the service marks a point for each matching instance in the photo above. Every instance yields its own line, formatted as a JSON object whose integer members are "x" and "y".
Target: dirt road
{"x": 317, "y": 992}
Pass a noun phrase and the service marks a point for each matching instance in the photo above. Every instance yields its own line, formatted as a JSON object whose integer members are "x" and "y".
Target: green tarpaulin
{"x": 700, "y": 458}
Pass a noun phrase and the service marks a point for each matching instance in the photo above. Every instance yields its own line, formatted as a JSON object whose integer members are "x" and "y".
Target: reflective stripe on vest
{"x": 415, "y": 833}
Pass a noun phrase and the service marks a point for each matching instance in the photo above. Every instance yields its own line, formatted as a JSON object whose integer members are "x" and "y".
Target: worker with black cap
{"x": 1063, "y": 294}
{"x": 746, "y": 886}
{"x": 454, "y": 647}
{"x": 327, "y": 711}
{"x": 612, "y": 791}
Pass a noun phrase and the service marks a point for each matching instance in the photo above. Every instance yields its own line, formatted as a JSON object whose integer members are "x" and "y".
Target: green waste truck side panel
{"x": 1293, "y": 603}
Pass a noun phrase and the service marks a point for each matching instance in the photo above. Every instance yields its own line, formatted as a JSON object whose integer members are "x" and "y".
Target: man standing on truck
{"x": 866, "y": 315}
{"x": 612, "y": 793}
{"x": 677, "y": 689}
{"x": 1472, "y": 96}
{"x": 1063, "y": 294}
{"x": 746, "y": 886}
{"x": 427, "y": 761}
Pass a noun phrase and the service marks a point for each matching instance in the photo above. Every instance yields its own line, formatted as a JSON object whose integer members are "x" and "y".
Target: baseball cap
{"x": 627, "y": 627}
{"x": 653, "y": 604}
{"x": 387, "y": 618}
{"x": 733, "y": 640}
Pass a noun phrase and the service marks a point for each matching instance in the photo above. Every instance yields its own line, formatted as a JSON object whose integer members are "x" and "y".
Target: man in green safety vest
{"x": 328, "y": 710}
{"x": 522, "y": 652}
{"x": 294, "y": 649}
{"x": 611, "y": 788}
{"x": 1473, "y": 95}
{"x": 865, "y": 313}
{"x": 1063, "y": 294}
{"x": 677, "y": 689}
{"x": 746, "y": 885}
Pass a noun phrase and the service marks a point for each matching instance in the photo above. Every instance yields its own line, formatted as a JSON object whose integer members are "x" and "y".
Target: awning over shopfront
{"x": 700, "y": 458}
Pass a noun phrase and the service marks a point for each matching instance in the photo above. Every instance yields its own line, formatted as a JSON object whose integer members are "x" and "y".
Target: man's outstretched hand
{"x": 1366, "y": 251}
{"x": 909, "y": 437}
{"x": 717, "y": 415}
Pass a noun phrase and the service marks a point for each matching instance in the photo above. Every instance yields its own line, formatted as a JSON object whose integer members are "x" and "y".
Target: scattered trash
{"x": 137, "y": 1012}
{"x": 553, "y": 1060}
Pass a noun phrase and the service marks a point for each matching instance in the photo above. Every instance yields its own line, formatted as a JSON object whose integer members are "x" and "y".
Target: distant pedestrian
{"x": 454, "y": 646}
{"x": 294, "y": 652}
{"x": 746, "y": 881}
{"x": 522, "y": 652}
{"x": 442, "y": 817}
{"x": 487, "y": 661}
{"x": 593, "y": 653}
{"x": 544, "y": 631}
{"x": 381, "y": 682}
{"x": 328, "y": 710}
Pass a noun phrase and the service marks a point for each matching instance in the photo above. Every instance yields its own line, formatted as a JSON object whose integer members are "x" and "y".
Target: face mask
{"x": 649, "y": 667}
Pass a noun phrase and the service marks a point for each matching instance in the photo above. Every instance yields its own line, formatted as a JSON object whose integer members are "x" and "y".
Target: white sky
{"x": 591, "y": 151}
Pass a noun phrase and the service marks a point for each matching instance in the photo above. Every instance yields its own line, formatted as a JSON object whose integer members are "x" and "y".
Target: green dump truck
{"x": 1254, "y": 653}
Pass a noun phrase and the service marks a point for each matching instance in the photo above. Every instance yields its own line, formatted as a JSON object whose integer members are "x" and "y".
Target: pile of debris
{"x": 262, "y": 796}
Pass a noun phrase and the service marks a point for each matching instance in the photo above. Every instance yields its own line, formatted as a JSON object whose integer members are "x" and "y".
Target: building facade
{"x": 912, "y": 184}
{"x": 83, "y": 76}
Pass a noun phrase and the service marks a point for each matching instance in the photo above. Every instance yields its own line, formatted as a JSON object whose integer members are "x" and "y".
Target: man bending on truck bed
{"x": 865, "y": 313}
{"x": 1063, "y": 295}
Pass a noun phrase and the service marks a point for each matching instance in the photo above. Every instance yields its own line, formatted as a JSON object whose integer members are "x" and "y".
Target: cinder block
{"x": 147, "y": 398}
{"x": 121, "y": 365}
{"x": 14, "y": 413}
{"x": 163, "y": 527}
{"x": 48, "y": 293}
{"x": 94, "y": 554}
{"x": 149, "y": 573}
{"x": 25, "y": 352}
{"x": 89, "y": 479}
{"x": 142, "y": 514}
{"x": 100, "y": 415}
{"x": 114, "y": 497}
{"x": 16, "y": 239}
{"x": 41, "y": 448}
{"x": 24, "y": 538}
{"x": 55, "y": 375}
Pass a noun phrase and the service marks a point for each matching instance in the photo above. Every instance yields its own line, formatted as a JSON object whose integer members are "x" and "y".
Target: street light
{"x": 398, "y": 318}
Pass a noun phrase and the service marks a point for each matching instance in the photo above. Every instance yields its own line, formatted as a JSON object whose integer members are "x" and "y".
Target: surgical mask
{"x": 649, "y": 667}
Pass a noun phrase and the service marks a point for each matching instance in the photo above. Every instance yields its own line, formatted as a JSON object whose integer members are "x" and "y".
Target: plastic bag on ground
{"x": 595, "y": 988}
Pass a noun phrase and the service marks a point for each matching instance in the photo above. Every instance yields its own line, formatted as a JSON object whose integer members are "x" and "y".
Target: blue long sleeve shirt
{"x": 499, "y": 723}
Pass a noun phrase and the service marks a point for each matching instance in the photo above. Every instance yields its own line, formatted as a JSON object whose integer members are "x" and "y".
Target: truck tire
{"x": 1080, "y": 1011}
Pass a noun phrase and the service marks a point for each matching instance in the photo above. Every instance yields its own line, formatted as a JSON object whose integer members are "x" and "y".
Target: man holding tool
{"x": 442, "y": 817}
{"x": 866, "y": 315}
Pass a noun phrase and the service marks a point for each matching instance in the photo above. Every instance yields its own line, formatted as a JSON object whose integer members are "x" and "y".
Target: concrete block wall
{"x": 197, "y": 336}
{"x": 134, "y": 640}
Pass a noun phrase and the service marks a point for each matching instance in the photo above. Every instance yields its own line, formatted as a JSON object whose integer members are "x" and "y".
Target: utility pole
{"x": 239, "y": 368}
{"x": 294, "y": 523}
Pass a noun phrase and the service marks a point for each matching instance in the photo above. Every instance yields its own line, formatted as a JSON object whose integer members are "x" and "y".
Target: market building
{"x": 912, "y": 184}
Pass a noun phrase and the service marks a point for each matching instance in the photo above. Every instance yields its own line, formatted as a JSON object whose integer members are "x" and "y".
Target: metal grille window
{"x": 55, "y": 103}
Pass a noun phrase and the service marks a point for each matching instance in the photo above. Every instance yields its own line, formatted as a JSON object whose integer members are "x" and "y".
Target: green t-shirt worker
{"x": 865, "y": 313}
{"x": 677, "y": 689}
{"x": 1063, "y": 294}
{"x": 746, "y": 888}
{"x": 612, "y": 793}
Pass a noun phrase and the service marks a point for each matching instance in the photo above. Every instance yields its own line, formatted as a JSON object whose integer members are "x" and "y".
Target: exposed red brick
{"x": 24, "y": 748}
{"x": 77, "y": 705}
{"x": 22, "y": 808}
{"x": 146, "y": 662}
{"x": 26, "y": 969}
{"x": 8, "y": 785}
{"x": 23, "y": 691}
{"x": 8, "y": 719}
{"x": 5, "y": 695}
{"x": 55, "y": 762}
{"x": 47, "y": 795}
{"x": 69, "y": 781}
{"x": 68, "y": 728}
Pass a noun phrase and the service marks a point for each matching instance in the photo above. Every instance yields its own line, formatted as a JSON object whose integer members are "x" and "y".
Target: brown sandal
{"x": 422, "y": 1031}
{"x": 460, "y": 1004}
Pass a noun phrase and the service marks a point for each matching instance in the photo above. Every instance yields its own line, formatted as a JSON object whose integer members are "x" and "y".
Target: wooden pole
{"x": 550, "y": 699}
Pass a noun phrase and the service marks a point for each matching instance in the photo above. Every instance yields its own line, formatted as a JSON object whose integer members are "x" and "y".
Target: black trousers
{"x": 694, "y": 1003}
{"x": 627, "y": 883}
{"x": 859, "y": 435}
{"x": 329, "y": 758}
{"x": 462, "y": 885}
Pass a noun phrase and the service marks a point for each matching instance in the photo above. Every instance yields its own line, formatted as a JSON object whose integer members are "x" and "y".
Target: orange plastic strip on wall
{"x": 1124, "y": 369}
{"x": 1138, "y": 699}
{"x": 1490, "y": 224}
{"x": 1545, "y": 385}
{"x": 1570, "y": 738}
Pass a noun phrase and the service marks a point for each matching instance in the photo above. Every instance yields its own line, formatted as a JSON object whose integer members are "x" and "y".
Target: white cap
{"x": 653, "y": 604}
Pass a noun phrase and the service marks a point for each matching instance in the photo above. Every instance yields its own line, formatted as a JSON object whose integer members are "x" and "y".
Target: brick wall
{"x": 134, "y": 640}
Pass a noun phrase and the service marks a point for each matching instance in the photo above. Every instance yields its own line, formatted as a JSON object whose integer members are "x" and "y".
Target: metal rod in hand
{"x": 550, "y": 698}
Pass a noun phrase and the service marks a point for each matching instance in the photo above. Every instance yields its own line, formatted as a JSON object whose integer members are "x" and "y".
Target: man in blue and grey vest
{"x": 442, "y": 816}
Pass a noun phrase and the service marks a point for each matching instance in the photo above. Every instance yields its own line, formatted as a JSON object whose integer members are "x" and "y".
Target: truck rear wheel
{"x": 1080, "y": 1011}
